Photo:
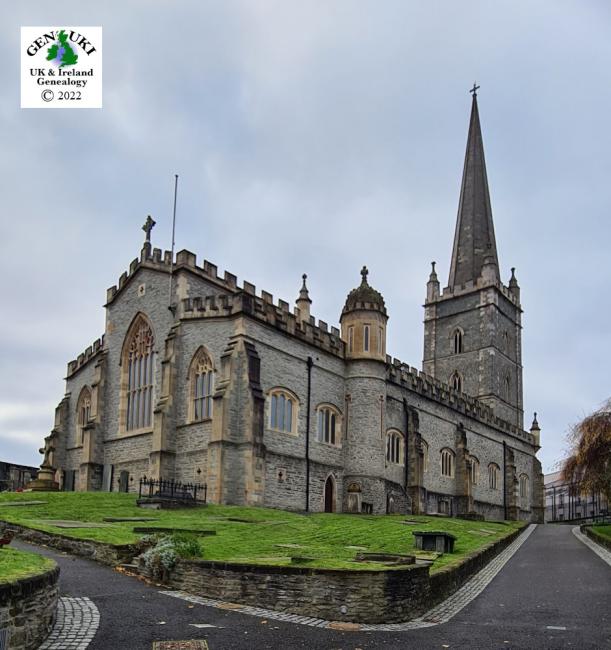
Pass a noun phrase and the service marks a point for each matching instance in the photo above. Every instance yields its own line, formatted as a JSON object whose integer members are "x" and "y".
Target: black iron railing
{"x": 176, "y": 490}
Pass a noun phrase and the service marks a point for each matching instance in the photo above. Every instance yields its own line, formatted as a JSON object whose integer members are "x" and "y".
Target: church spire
{"x": 474, "y": 242}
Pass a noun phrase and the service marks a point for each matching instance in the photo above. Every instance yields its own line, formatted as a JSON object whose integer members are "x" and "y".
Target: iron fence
{"x": 176, "y": 490}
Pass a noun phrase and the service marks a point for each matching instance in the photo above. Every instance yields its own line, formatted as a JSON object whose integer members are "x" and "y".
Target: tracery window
{"x": 140, "y": 369}
{"x": 457, "y": 337}
{"x": 493, "y": 476}
{"x": 524, "y": 486}
{"x": 202, "y": 386}
{"x": 282, "y": 411}
{"x": 456, "y": 381}
{"x": 329, "y": 425}
{"x": 394, "y": 447}
{"x": 83, "y": 410}
{"x": 474, "y": 470}
{"x": 447, "y": 463}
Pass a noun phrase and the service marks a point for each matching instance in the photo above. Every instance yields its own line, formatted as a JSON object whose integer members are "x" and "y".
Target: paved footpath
{"x": 555, "y": 592}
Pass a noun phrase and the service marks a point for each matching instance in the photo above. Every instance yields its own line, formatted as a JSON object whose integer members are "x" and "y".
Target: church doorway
{"x": 330, "y": 495}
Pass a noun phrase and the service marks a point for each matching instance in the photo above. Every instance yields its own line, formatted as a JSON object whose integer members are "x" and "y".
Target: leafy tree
{"x": 588, "y": 466}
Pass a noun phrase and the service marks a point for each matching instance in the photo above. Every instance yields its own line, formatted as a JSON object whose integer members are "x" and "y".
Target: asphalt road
{"x": 553, "y": 581}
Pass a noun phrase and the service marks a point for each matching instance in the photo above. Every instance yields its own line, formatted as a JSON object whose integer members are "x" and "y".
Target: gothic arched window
{"x": 447, "y": 463}
{"x": 329, "y": 425}
{"x": 282, "y": 411}
{"x": 139, "y": 368}
{"x": 507, "y": 388}
{"x": 394, "y": 447}
{"x": 456, "y": 381}
{"x": 83, "y": 411}
{"x": 524, "y": 486}
{"x": 474, "y": 470}
{"x": 425, "y": 455}
{"x": 493, "y": 476}
{"x": 457, "y": 337}
{"x": 201, "y": 377}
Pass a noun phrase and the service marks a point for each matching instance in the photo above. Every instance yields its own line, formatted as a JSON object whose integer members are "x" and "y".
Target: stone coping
{"x": 29, "y": 585}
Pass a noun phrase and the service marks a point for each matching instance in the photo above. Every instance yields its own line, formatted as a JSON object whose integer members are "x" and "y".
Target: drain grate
{"x": 181, "y": 645}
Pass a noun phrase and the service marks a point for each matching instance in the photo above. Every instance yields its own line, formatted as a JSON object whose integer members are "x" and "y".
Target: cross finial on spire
{"x": 304, "y": 277}
{"x": 474, "y": 90}
{"x": 148, "y": 226}
{"x": 364, "y": 273}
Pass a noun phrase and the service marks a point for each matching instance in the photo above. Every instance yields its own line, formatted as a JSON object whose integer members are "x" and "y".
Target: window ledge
{"x": 286, "y": 433}
{"x": 191, "y": 423}
{"x": 132, "y": 433}
{"x": 74, "y": 447}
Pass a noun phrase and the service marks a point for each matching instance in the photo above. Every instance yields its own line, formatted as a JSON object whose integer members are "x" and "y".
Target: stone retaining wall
{"x": 390, "y": 596}
{"x": 594, "y": 536}
{"x": 27, "y": 609}
{"x": 109, "y": 554}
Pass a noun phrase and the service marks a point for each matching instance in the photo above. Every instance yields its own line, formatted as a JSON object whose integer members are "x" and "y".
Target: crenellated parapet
{"x": 90, "y": 353}
{"x": 419, "y": 382}
{"x": 262, "y": 308}
{"x": 162, "y": 261}
{"x": 470, "y": 286}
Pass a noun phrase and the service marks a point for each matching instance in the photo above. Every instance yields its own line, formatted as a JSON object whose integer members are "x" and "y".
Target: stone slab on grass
{"x": 22, "y": 503}
{"x": 118, "y": 519}
{"x": 61, "y": 523}
{"x": 195, "y": 644}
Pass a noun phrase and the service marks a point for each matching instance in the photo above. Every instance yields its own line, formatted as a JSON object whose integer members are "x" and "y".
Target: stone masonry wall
{"x": 27, "y": 609}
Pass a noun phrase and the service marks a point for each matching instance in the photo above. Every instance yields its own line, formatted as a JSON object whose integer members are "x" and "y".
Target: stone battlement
{"x": 262, "y": 308}
{"x": 92, "y": 351}
{"x": 415, "y": 380}
{"x": 468, "y": 287}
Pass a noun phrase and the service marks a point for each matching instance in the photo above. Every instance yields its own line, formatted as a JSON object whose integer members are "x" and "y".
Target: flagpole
{"x": 172, "y": 307}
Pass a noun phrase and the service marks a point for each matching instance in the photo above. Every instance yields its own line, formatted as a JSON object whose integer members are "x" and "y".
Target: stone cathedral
{"x": 214, "y": 382}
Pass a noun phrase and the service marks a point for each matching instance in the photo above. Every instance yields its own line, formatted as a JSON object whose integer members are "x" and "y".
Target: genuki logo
{"x": 61, "y": 67}
{"x": 61, "y": 52}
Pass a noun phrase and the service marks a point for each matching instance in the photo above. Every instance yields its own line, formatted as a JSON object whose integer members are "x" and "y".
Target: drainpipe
{"x": 504, "y": 480}
{"x": 406, "y": 410}
{"x": 310, "y": 363}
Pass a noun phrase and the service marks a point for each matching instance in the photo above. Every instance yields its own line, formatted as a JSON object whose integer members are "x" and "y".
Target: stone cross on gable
{"x": 149, "y": 224}
{"x": 364, "y": 273}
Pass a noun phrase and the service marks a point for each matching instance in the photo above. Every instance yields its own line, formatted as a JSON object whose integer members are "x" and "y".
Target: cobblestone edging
{"x": 27, "y": 609}
{"x": 109, "y": 554}
{"x": 441, "y": 613}
{"x": 77, "y": 622}
{"x": 592, "y": 541}
{"x": 380, "y": 597}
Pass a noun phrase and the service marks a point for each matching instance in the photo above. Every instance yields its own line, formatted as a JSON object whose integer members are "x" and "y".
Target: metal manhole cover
{"x": 181, "y": 645}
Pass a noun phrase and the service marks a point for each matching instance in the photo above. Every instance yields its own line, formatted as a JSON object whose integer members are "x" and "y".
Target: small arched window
{"x": 457, "y": 341}
{"x": 474, "y": 470}
{"x": 366, "y": 332}
{"x": 425, "y": 455}
{"x": 351, "y": 339}
{"x": 394, "y": 447}
{"x": 493, "y": 476}
{"x": 456, "y": 381}
{"x": 506, "y": 342}
{"x": 329, "y": 425}
{"x": 282, "y": 411}
{"x": 83, "y": 412}
{"x": 524, "y": 486}
{"x": 447, "y": 463}
{"x": 201, "y": 377}
{"x": 507, "y": 388}
{"x": 139, "y": 368}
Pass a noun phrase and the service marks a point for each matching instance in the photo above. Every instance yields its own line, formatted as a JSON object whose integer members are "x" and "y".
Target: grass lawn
{"x": 260, "y": 536}
{"x": 18, "y": 564}
{"x": 603, "y": 531}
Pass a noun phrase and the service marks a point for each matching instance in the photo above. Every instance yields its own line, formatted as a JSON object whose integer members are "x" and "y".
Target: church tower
{"x": 472, "y": 330}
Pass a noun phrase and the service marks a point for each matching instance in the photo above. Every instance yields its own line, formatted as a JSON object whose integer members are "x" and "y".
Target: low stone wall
{"x": 109, "y": 554}
{"x": 27, "y": 609}
{"x": 390, "y": 596}
{"x": 594, "y": 536}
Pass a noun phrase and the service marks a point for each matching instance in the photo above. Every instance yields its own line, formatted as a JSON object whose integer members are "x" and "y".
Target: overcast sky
{"x": 312, "y": 137}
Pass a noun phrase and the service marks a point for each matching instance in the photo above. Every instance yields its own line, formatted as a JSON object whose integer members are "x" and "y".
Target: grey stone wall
{"x": 27, "y": 609}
